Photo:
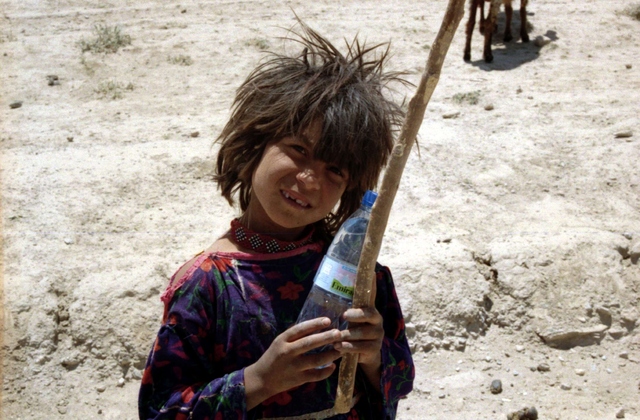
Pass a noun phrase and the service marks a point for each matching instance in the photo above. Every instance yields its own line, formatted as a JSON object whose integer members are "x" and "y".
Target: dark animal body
{"x": 489, "y": 25}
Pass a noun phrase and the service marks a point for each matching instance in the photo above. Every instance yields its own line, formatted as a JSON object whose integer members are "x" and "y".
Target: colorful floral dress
{"x": 223, "y": 314}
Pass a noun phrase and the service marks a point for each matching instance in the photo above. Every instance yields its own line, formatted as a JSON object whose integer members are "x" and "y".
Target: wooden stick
{"x": 389, "y": 187}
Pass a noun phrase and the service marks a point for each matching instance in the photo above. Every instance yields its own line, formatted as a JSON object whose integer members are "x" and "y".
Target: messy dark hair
{"x": 284, "y": 95}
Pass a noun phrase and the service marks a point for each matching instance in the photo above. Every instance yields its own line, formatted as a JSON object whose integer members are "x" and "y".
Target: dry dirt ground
{"x": 514, "y": 239}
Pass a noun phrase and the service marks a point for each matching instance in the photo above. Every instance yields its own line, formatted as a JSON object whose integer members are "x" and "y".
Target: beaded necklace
{"x": 264, "y": 243}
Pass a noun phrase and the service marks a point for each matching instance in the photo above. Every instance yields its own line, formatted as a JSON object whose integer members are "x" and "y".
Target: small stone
{"x": 516, "y": 373}
{"x": 624, "y": 134}
{"x": 68, "y": 241}
{"x": 441, "y": 396}
{"x": 565, "y": 387}
{"x": 62, "y": 410}
{"x": 53, "y": 80}
{"x": 487, "y": 359}
{"x": 609, "y": 370}
{"x": 628, "y": 66}
{"x": 519, "y": 348}
{"x": 450, "y": 115}
{"x": 488, "y": 107}
{"x": 101, "y": 388}
{"x": 195, "y": 134}
{"x": 624, "y": 355}
{"x": 121, "y": 382}
{"x": 580, "y": 372}
{"x": 620, "y": 414}
{"x": 70, "y": 139}
{"x": 496, "y": 386}
{"x": 14, "y": 105}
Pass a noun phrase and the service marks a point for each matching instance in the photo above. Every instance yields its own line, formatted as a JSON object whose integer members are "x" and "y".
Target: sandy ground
{"x": 514, "y": 240}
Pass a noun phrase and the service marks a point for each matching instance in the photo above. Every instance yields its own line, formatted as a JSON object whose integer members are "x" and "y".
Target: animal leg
{"x": 523, "y": 21}
{"x": 473, "y": 4}
{"x": 482, "y": 20}
{"x": 491, "y": 25}
{"x": 508, "y": 10}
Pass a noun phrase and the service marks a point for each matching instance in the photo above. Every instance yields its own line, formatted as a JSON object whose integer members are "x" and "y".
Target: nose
{"x": 309, "y": 178}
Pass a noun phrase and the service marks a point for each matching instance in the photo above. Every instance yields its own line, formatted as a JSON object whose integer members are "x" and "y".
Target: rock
{"x": 410, "y": 329}
{"x": 624, "y": 355}
{"x": 620, "y": 414}
{"x": 68, "y": 241}
{"x": 527, "y": 413}
{"x": 628, "y": 66}
{"x": 101, "y": 388}
{"x": 580, "y": 372}
{"x": 488, "y": 107}
{"x": 496, "y": 386}
{"x": 624, "y": 134}
{"x": 565, "y": 387}
{"x": 14, "y": 105}
{"x": 543, "y": 367}
{"x": 451, "y": 115}
{"x": 195, "y": 134}
{"x": 121, "y": 382}
{"x": 617, "y": 333}
{"x": 567, "y": 338}
{"x": 634, "y": 252}
{"x": 519, "y": 348}
{"x": 53, "y": 80}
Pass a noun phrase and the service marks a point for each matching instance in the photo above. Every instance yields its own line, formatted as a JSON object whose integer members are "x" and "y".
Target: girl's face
{"x": 291, "y": 189}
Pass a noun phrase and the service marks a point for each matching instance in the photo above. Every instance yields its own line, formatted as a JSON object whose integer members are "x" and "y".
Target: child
{"x": 307, "y": 137}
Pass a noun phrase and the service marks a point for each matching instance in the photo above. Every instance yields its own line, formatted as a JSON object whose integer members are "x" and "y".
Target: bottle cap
{"x": 369, "y": 198}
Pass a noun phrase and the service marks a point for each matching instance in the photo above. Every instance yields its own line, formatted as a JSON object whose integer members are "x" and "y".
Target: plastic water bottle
{"x": 333, "y": 285}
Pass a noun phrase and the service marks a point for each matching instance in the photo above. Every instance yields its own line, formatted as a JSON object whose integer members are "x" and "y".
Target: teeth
{"x": 300, "y": 202}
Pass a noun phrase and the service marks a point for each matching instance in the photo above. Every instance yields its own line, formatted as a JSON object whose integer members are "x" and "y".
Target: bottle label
{"x": 336, "y": 277}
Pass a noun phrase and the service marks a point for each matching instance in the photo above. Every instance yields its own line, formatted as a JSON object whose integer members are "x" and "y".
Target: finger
{"x": 365, "y": 346}
{"x": 318, "y": 374}
{"x": 313, "y": 341}
{"x": 365, "y": 332}
{"x": 369, "y": 315}
{"x": 318, "y": 360}
{"x": 305, "y": 328}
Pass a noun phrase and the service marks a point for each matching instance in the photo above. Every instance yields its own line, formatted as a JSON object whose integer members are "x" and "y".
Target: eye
{"x": 337, "y": 175}
{"x": 299, "y": 149}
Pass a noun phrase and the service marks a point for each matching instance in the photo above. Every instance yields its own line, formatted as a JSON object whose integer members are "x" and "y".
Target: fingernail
{"x": 337, "y": 346}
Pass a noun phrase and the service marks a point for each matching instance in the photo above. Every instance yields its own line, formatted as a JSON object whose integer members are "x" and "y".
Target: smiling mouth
{"x": 295, "y": 200}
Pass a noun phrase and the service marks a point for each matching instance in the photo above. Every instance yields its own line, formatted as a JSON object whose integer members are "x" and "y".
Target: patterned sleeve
{"x": 175, "y": 383}
{"x": 398, "y": 370}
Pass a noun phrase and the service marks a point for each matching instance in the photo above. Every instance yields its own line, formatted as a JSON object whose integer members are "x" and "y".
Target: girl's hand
{"x": 364, "y": 336}
{"x": 285, "y": 365}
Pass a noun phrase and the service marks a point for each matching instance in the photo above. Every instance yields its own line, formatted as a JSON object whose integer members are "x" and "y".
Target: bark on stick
{"x": 390, "y": 183}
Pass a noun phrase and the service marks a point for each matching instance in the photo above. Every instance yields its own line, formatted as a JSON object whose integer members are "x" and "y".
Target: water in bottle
{"x": 333, "y": 285}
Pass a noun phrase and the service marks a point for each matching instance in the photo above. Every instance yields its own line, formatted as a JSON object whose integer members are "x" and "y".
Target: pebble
{"x": 628, "y": 66}
{"x": 121, "y": 382}
{"x": 620, "y": 414}
{"x": 441, "y": 396}
{"x": 580, "y": 372}
{"x": 451, "y": 115}
{"x": 519, "y": 348}
{"x": 68, "y": 241}
{"x": 63, "y": 410}
{"x": 624, "y": 355}
{"x": 496, "y": 386}
{"x": 195, "y": 134}
{"x": 566, "y": 387}
{"x": 53, "y": 80}
{"x": 528, "y": 413}
{"x": 101, "y": 388}
{"x": 624, "y": 134}
{"x": 543, "y": 367}
{"x": 488, "y": 107}
{"x": 14, "y": 105}
{"x": 609, "y": 370}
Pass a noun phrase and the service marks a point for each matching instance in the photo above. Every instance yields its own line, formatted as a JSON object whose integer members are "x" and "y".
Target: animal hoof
{"x": 467, "y": 57}
{"x": 525, "y": 38}
{"x": 508, "y": 37}
{"x": 488, "y": 58}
